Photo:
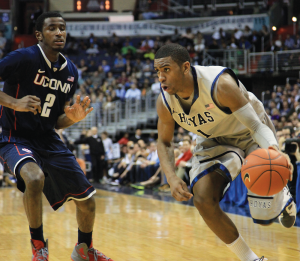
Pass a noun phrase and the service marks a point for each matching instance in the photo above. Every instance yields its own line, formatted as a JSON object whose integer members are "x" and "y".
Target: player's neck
{"x": 50, "y": 54}
{"x": 187, "y": 87}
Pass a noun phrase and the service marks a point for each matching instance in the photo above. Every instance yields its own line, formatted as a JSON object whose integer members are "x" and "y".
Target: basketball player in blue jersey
{"x": 230, "y": 123}
{"x": 39, "y": 83}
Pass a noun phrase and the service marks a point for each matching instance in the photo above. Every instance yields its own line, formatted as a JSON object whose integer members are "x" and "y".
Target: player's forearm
{"x": 167, "y": 159}
{"x": 63, "y": 122}
{"x": 7, "y": 101}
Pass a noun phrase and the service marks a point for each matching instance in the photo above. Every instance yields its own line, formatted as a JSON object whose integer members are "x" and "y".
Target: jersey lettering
{"x": 53, "y": 84}
{"x": 201, "y": 120}
{"x": 209, "y": 118}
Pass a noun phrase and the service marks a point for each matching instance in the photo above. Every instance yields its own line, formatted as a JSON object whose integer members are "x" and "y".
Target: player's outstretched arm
{"x": 75, "y": 113}
{"x": 165, "y": 150}
{"x": 29, "y": 103}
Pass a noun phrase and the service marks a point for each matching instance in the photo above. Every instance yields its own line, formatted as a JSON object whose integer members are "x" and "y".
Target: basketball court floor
{"x": 140, "y": 226}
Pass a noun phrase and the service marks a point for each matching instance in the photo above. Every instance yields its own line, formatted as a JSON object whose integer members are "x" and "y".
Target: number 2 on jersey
{"x": 49, "y": 101}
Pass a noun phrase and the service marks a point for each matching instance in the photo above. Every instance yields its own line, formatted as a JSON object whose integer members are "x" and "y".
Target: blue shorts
{"x": 64, "y": 179}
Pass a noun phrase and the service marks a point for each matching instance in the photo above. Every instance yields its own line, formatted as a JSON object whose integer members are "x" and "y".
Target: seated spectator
{"x": 286, "y": 109}
{"x": 187, "y": 37}
{"x": 247, "y": 33}
{"x": 137, "y": 135}
{"x": 92, "y": 50}
{"x": 155, "y": 87}
{"x": 148, "y": 42}
{"x": 119, "y": 63}
{"x": 279, "y": 43}
{"x": 265, "y": 33}
{"x": 122, "y": 78}
{"x": 110, "y": 78}
{"x": 289, "y": 42}
{"x": 128, "y": 47}
{"x": 128, "y": 67}
{"x": 96, "y": 79}
{"x": 104, "y": 45}
{"x": 124, "y": 140}
{"x": 105, "y": 66}
{"x": 150, "y": 54}
{"x": 244, "y": 44}
{"x": 120, "y": 91}
{"x": 232, "y": 44}
{"x": 175, "y": 37}
{"x": 117, "y": 43}
{"x": 219, "y": 34}
{"x": 237, "y": 34}
{"x": 92, "y": 67}
{"x": 148, "y": 68}
{"x": 108, "y": 104}
{"x": 83, "y": 67}
{"x": 92, "y": 41}
{"x": 133, "y": 92}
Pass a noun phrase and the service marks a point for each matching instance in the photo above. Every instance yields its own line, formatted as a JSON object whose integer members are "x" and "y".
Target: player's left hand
{"x": 291, "y": 167}
{"x": 79, "y": 109}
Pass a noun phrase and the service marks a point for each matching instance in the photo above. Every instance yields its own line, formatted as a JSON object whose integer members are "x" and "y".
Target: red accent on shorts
{"x": 24, "y": 153}
{"x": 72, "y": 195}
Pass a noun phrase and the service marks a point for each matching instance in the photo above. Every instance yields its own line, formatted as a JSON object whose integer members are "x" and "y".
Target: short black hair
{"x": 40, "y": 21}
{"x": 178, "y": 53}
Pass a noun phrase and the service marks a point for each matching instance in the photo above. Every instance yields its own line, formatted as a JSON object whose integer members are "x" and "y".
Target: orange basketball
{"x": 265, "y": 172}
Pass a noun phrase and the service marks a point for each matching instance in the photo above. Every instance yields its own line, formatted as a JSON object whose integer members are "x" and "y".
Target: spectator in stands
{"x": 82, "y": 45}
{"x": 289, "y": 42}
{"x": 108, "y": 104}
{"x": 247, "y": 33}
{"x": 96, "y": 79}
{"x": 244, "y": 44}
{"x": 279, "y": 43}
{"x": 148, "y": 42}
{"x": 120, "y": 91}
{"x": 184, "y": 160}
{"x": 119, "y": 64}
{"x": 92, "y": 41}
{"x": 92, "y": 67}
{"x": 214, "y": 45}
{"x": 92, "y": 50}
{"x": 127, "y": 47}
{"x": 255, "y": 41}
{"x": 124, "y": 140}
{"x": 219, "y": 34}
{"x": 148, "y": 68}
{"x": 133, "y": 92}
{"x": 233, "y": 43}
{"x": 273, "y": 47}
{"x": 137, "y": 136}
{"x": 105, "y": 66}
{"x": 155, "y": 87}
{"x": 175, "y": 37}
{"x": 238, "y": 34}
{"x": 188, "y": 37}
{"x": 117, "y": 43}
{"x": 285, "y": 108}
{"x": 150, "y": 54}
{"x": 108, "y": 146}
{"x": 83, "y": 67}
{"x": 265, "y": 33}
{"x": 104, "y": 45}
{"x": 110, "y": 78}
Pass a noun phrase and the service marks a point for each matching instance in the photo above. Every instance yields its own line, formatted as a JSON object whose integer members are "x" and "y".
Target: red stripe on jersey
{"x": 1, "y": 111}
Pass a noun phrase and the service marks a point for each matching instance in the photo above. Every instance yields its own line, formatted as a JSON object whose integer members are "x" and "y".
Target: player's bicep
{"x": 229, "y": 94}
{"x": 166, "y": 123}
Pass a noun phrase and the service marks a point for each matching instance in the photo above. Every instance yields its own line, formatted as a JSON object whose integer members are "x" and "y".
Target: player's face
{"x": 170, "y": 75}
{"x": 54, "y": 33}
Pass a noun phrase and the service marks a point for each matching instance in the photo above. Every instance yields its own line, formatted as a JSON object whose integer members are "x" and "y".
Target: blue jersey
{"x": 28, "y": 71}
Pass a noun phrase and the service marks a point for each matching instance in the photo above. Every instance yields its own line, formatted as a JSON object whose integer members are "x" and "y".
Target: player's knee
{"x": 34, "y": 181}
{"x": 87, "y": 205}
{"x": 205, "y": 206}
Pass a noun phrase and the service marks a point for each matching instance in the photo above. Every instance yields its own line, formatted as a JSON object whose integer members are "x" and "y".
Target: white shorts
{"x": 225, "y": 156}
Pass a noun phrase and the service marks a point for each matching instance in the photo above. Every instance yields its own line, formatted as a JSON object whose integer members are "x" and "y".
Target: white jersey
{"x": 205, "y": 117}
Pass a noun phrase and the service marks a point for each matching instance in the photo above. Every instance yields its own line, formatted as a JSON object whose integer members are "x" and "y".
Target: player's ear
{"x": 39, "y": 36}
{"x": 186, "y": 67}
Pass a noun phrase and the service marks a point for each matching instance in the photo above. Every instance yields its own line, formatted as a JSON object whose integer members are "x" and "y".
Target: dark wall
{"x": 4, "y": 4}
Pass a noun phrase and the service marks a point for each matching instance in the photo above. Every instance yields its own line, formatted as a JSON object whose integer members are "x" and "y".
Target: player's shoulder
{"x": 71, "y": 67}
{"x": 28, "y": 53}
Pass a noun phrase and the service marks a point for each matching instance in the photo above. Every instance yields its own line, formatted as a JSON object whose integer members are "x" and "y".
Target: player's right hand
{"x": 28, "y": 103}
{"x": 179, "y": 189}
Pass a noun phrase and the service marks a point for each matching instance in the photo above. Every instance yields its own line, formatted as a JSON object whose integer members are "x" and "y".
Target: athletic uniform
{"x": 31, "y": 138}
{"x": 223, "y": 141}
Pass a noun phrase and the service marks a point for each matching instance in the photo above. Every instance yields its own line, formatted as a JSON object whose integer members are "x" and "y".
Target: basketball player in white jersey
{"x": 230, "y": 123}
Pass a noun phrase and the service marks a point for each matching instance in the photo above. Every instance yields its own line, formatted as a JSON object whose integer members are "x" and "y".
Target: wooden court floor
{"x": 130, "y": 228}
